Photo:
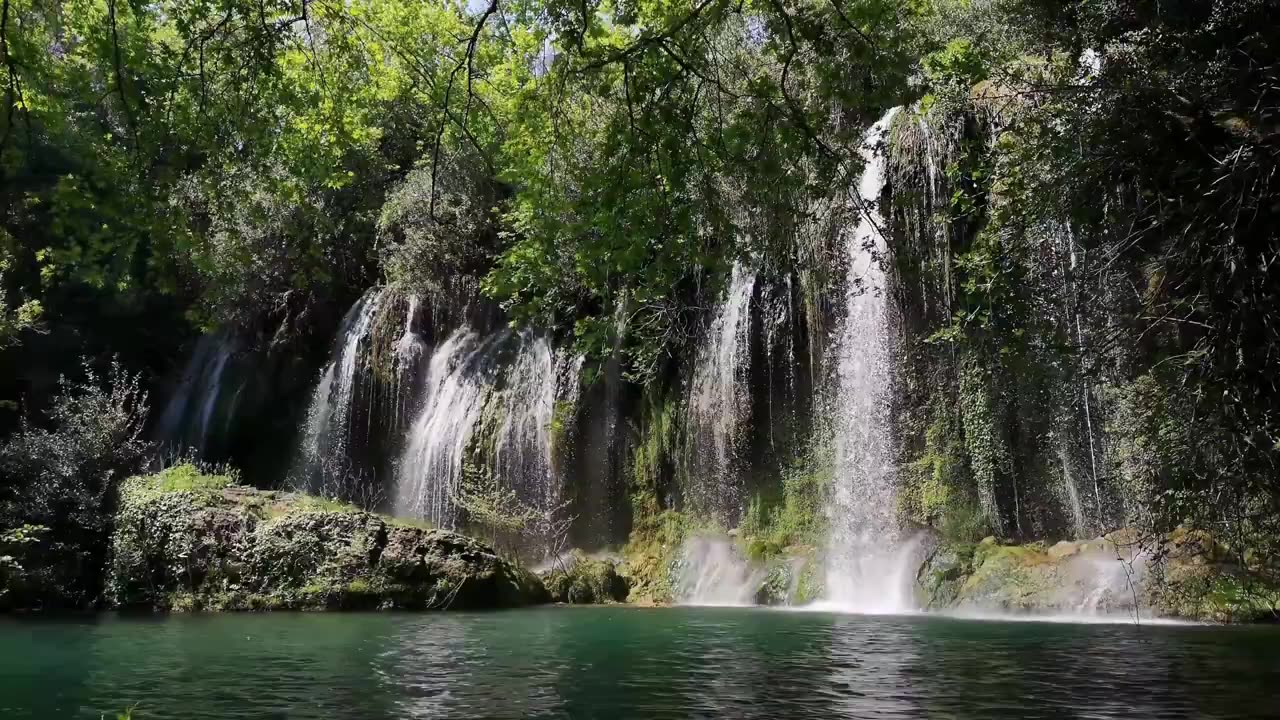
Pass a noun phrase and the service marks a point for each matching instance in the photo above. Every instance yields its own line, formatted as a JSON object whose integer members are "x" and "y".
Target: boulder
{"x": 586, "y": 581}
{"x": 210, "y": 545}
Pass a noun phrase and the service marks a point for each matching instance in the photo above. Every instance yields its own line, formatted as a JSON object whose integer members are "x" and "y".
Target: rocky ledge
{"x": 1185, "y": 574}
{"x": 187, "y": 541}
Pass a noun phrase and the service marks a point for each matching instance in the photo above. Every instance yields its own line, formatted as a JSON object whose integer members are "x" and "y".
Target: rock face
{"x": 584, "y": 581}
{"x": 185, "y": 541}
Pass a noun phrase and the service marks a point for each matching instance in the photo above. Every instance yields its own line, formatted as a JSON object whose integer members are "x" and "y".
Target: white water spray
{"x": 714, "y": 572}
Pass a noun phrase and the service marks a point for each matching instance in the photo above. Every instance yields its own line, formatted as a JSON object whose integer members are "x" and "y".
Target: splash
{"x": 713, "y": 572}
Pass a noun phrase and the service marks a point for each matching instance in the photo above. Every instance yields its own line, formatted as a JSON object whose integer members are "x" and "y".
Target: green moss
{"x": 797, "y": 518}
{"x": 809, "y": 586}
{"x": 651, "y": 555}
{"x": 651, "y": 454}
{"x": 188, "y": 477}
{"x": 415, "y": 523}
{"x": 198, "y": 487}
{"x": 309, "y": 503}
{"x": 586, "y": 581}
{"x": 562, "y": 416}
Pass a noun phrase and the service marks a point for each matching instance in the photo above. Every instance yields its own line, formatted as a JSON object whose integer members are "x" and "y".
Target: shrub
{"x": 61, "y": 475}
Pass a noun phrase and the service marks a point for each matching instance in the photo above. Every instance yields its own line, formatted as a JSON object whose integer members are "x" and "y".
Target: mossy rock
{"x": 584, "y": 581}
{"x": 943, "y": 573}
{"x": 190, "y": 542}
{"x": 793, "y": 577}
{"x": 1192, "y": 576}
{"x": 652, "y": 557}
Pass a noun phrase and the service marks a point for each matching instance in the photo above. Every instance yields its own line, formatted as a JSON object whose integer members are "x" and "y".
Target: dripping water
{"x": 719, "y": 404}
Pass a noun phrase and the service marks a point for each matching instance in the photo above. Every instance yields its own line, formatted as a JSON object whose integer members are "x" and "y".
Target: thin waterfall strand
{"x": 719, "y": 403}
{"x": 327, "y": 435}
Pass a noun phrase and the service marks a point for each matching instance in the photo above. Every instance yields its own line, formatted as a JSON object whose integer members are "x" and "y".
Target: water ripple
{"x": 620, "y": 663}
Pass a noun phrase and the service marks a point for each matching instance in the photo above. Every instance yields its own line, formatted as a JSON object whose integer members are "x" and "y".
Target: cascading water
{"x": 719, "y": 404}
{"x": 323, "y": 455}
{"x": 515, "y": 378}
{"x": 459, "y": 375}
{"x": 868, "y": 566}
{"x": 407, "y": 353}
{"x": 187, "y": 422}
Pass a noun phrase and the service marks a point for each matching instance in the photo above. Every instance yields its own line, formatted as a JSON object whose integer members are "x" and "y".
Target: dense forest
{"x": 1079, "y": 216}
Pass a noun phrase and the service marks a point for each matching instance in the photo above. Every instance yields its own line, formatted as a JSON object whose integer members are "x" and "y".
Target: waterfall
{"x": 489, "y": 402}
{"x": 719, "y": 404}
{"x": 522, "y": 448}
{"x": 186, "y": 424}
{"x": 458, "y": 377}
{"x": 713, "y": 572}
{"x": 324, "y": 453}
{"x": 867, "y": 563}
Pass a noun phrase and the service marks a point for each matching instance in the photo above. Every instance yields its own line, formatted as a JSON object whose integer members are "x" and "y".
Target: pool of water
{"x": 626, "y": 662}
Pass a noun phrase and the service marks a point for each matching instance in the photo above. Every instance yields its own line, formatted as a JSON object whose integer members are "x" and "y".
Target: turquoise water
{"x": 624, "y": 662}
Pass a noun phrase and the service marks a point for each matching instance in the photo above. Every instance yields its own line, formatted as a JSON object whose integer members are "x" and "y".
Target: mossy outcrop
{"x": 586, "y": 581}
{"x": 1182, "y": 575}
{"x": 187, "y": 541}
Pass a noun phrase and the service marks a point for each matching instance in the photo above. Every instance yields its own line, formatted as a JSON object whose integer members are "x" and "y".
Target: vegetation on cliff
{"x": 1080, "y": 219}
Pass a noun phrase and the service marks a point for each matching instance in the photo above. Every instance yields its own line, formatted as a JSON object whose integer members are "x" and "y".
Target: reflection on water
{"x": 622, "y": 662}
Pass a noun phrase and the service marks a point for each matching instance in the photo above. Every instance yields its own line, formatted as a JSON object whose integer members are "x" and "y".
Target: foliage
{"x": 14, "y": 320}
{"x": 798, "y": 518}
{"x": 639, "y": 176}
{"x": 63, "y": 477}
{"x": 498, "y": 510}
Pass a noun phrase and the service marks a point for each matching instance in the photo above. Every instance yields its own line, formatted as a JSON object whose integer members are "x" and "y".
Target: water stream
{"x": 868, "y": 566}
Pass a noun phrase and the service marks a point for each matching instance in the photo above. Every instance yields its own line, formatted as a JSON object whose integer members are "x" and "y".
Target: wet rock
{"x": 1064, "y": 549}
{"x": 944, "y": 571}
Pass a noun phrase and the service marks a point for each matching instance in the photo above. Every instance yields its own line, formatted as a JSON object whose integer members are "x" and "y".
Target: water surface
{"x": 625, "y": 662}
